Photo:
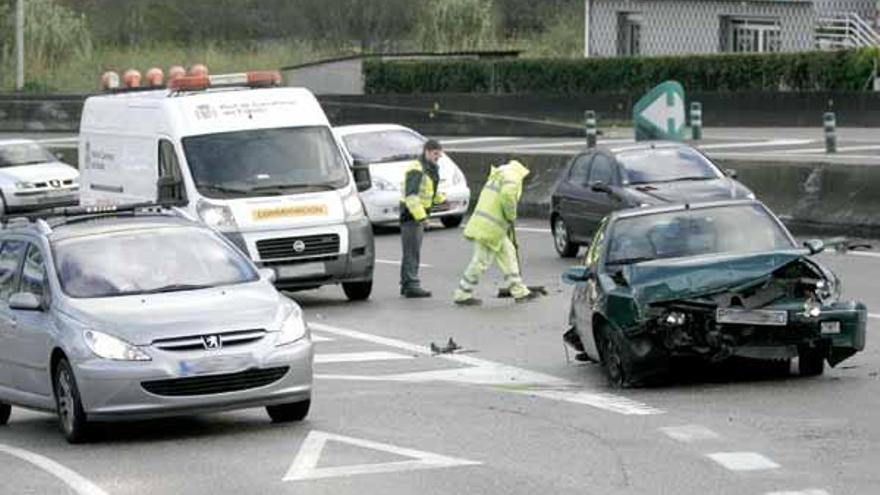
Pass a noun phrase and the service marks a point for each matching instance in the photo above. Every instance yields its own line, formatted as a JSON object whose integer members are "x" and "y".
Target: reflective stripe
{"x": 487, "y": 216}
{"x": 472, "y": 282}
{"x": 512, "y": 276}
{"x": 465, "y": 287}
{"x": 493, "y": 186}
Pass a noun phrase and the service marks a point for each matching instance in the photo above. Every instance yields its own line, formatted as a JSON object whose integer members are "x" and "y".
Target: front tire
{"x": 811, "y": 361}
{"x": 5, "y": 411}
{"x": 285, "y": 413}
{"x": 562, "y": 239}
{"x": 452, "y": 222}
{"x": 71, "y": 416}
{"x": 357, "y": 291}
{"x": 615, "y": 364}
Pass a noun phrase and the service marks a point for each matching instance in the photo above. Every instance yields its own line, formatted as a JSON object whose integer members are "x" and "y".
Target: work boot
{"x": 416, "y": 293}
{"x": 471, "y": 301}
{"x": 531, "y": 296}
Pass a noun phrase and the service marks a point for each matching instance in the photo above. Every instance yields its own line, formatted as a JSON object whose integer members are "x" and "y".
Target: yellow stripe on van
{"x": 290, "y": 211}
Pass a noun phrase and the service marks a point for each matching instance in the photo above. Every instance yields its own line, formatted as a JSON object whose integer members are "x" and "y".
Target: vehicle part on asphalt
{"x": 451, "y": 347}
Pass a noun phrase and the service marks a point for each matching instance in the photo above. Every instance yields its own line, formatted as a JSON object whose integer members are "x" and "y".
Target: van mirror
{"x": 25, "y": 301}
{"x": 600, "y": 187}
{"x": 362, "y": 178}
{"x": 170, "y": 191}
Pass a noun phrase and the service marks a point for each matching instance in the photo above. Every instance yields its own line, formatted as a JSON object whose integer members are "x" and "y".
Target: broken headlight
{"x": 812, "y": 307}
{"x": 674, "y": 319}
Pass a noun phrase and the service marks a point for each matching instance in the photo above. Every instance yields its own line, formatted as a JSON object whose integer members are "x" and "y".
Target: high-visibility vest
{"x": 419, "y": 205}
{"x": 496, "y": 212}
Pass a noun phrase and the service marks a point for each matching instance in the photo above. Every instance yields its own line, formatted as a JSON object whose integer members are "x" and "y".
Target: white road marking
{"x": 757, "y": 144}
{"x": 690, "y": 433}
{"x": 397, "y": 262}
{"x": 533, "y": 229}
{"x": 822, "y": 150}
{"x": 447, "y": 142}
{"x": 874, "y": 315}
{"x": 305, "y": 464}
{"x": 867, "y": 254}
{"x": 320, "y": 338}
{"x": 355, "y": 357}
{"x": 811, "y": 491}
{"x": 557, "y": 144}
{"x": 489, "y": 373}
{"x": 76, "y": 482}
{"x": 743, "y": 461}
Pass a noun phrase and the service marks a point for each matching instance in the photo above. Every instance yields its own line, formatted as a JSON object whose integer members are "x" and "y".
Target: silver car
{"x": 31, "y": 177}
{"x": 140, "y": 314}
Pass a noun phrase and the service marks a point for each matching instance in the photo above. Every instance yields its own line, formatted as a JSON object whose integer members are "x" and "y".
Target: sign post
{"x": 660, "y": 114}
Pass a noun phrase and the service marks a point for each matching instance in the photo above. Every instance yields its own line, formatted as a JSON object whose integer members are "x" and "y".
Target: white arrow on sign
{"x": 305, "y": 465}
{"x": 664, "y": 115}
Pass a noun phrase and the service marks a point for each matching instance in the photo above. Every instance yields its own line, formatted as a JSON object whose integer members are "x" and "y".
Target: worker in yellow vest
{"x": 490, "y": 228}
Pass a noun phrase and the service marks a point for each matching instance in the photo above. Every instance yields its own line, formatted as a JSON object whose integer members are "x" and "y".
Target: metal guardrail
{"x": 845, "y": 30}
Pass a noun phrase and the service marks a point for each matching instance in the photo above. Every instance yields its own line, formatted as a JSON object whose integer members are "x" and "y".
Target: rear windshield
{"x": 144, "y": 262}
{"x": 384, "y": 146}
{"x": 265, "y": 162}
{"x": 666, "y": 165}
{"x": 15, "y": 155}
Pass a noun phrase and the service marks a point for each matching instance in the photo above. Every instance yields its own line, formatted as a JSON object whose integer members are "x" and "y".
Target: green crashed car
{"x": 710, "y": 281}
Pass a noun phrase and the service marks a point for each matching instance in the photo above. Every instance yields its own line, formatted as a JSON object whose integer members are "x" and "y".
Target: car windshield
{"x": 148, "y": 261}
{"x": 384, "y": 146}
{"x": 666, "y": 165}
{"x": 265, "y": 162}
{"x": 739, "y": 229}
{"x": 14, "y": 155}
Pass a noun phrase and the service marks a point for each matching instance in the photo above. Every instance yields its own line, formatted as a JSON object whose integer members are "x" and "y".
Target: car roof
{"x": 99, "y": 225}
{"x": 346, "y": 130}
{"x": 654, "y": 210}
{"x": 642, "y": 146}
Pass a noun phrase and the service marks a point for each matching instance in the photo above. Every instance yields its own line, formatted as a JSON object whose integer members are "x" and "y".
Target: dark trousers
{"x": 411, "y": 233}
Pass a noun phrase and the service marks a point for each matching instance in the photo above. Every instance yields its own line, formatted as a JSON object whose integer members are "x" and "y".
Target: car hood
{"x": 38, "y": 173}
{"x": 142, "y": 319}
{"x": 687, "y": 191}
{"x": 681, "y": 278}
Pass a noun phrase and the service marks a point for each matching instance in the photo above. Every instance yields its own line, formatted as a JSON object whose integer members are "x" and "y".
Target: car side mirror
{"x": 267, "y": 274}
{"x": 733, "y": 174}
{"x": 600, "y": 187}
{"x": 362, "y": 178}
{"x": 170, "y": 191}
{"x": 576, "y": 275}
{"x": 815, "y": 246}
{"x": 25, "y": 301}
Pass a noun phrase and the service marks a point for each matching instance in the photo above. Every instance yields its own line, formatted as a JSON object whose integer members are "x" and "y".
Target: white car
{"x": 31, "y": 178}
{"x": 389, "y": 149}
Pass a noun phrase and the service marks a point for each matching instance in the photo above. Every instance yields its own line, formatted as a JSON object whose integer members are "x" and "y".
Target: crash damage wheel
{"x": 614, "y": 363}
{"x": 562, "y": 240}
{"x": 452, "y": 222}
{"x": 357, "y": 291}
{"x": 71, "y": 417}
{"x": 5, "y": 411}
{"x": 811, "y": 361}
{"x": 285, "y": 413}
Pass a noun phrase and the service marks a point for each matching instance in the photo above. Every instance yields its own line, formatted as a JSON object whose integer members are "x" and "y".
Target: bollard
{"x": 830, "y": 132}
{"x": 591, "y": 128}
{"x": 696, "y": 121}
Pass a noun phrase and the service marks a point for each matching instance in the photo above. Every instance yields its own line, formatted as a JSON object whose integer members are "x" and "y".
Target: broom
{"x": 504, "y": 292}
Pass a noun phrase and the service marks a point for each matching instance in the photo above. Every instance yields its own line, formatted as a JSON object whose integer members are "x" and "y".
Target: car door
{"x": 33, "y": 337}
{"x": 11, "y": 255}
{"x": 586, "y": 294}
{"x": 572, "y": 191}
{"x": 597, "y": 204}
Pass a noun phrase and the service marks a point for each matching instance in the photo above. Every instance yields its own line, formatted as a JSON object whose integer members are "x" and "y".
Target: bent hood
{"x": 687, "y": 191}
{"x": 142, "y": 319}
{"x": 667, "y": 280}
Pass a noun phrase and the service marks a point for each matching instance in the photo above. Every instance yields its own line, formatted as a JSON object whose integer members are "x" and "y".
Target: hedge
{"x": 811, "y": 71}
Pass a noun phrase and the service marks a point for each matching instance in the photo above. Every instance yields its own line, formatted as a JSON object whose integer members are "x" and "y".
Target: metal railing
{"x": 845, "y": 30}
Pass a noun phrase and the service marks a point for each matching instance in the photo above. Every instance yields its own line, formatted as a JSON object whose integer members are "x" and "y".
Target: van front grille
{"x": 298, "y": 247}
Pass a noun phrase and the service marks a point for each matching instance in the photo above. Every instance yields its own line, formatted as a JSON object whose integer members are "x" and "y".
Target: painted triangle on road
{"x": 305, "y": 465}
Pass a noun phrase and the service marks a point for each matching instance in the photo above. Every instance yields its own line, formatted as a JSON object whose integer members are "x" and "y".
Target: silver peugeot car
{"x": 140, "y": 313}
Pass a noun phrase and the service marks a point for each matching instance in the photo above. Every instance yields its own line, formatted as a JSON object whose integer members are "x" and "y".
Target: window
{"x": 384, "y": 146}
{"x": 11, "y": 254}
{"x": 597, "y": 247}
{"x": 742, "y": 35}
{"x": 602, "y": 170}
{"x": 33, "y": 274}
{"x": 629, "y": 34}
{"x": 580, "y": 170}
{"x": 666, "y": 165}
{"x": 169, "y": 167}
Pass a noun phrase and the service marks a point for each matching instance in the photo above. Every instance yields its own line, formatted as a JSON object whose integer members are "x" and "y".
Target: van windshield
{"x": 265, "y": 162}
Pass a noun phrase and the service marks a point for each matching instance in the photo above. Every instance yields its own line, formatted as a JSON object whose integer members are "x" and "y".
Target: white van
{"x": 258, "y": 163}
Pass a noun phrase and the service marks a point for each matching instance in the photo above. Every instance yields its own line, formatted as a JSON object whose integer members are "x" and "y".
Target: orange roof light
{"x": 189, "y": 83}
{"x": 264, "y": 78}
{"x": 198, "y": 70}
{"x": 109, "y": 80}
{"x": 255, "y": 79}
{"x": 132, "y": 78}
{"x": 155, "y": 77}
{"x": 176, "y": 71}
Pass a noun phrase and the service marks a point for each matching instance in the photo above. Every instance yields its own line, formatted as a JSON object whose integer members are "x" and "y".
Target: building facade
{"x": 677, "y": 27}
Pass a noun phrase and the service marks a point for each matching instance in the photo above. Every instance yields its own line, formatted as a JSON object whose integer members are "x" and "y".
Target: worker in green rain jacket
{"x": 490, "y": 228}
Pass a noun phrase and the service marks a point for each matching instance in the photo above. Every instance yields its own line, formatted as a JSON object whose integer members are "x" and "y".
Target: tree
{"x": 457, "y": 24}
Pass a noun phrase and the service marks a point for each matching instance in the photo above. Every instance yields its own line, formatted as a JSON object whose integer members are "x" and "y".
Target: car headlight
{"x": 107, "y": 347}
{"x": 381, "y": 184}
{"x": 25, "y": 185}
{"x": 458, "y": 178}
{"x": 215, "y": 215}
{"x": 293, "y": 329}
{"x": 353, "y": 207}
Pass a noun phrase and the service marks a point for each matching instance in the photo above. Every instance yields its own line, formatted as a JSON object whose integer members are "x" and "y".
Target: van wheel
{"x": 452, "y": 221}
{"x": 71, "y": 416}
{"x": 562, "y": 239}
{"x": 357, "y": 291}
{"x": 5, "y": 411}
{"x": 285, "y": 413}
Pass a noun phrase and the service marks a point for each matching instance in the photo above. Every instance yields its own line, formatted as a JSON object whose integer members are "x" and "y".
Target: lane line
{"x": 320, "y": 338}
{"x": 355, "y": 357}
{"x": 398, "y": 263}
{"x": 77, "y": 483}
{"x": 867, "y": 254}
{"x": 810, "y": 491}
{"x": 874, "y": 315}
{"x": 690, "y": 433}
{"x": 743, "y": 461}
{"x": 758, "y": 144}
{"x": 822, "y": 150}
{"x": 446, "y": 142}
{"x": 492, "y": 374}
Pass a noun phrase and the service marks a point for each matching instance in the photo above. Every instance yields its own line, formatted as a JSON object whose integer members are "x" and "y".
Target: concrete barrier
{"x": 811, "y": 198}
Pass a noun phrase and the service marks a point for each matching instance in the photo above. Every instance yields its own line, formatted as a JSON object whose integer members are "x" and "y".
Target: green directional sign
{"x": 660, "y": 113}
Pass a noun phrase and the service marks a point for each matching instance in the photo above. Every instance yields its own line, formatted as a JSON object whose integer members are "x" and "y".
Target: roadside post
{"x": 660, "y": 114}
{"x": 830, "y": 132}
{"x": 696, "y": 121}
{"x": 590, "y": 125}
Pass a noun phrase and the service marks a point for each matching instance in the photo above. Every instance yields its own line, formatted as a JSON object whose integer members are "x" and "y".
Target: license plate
{"x": 212, "y": 364}
{"x": 752, "y": 317}
{"x": 830, "y": 327}
{"x": 300, "y": 270}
